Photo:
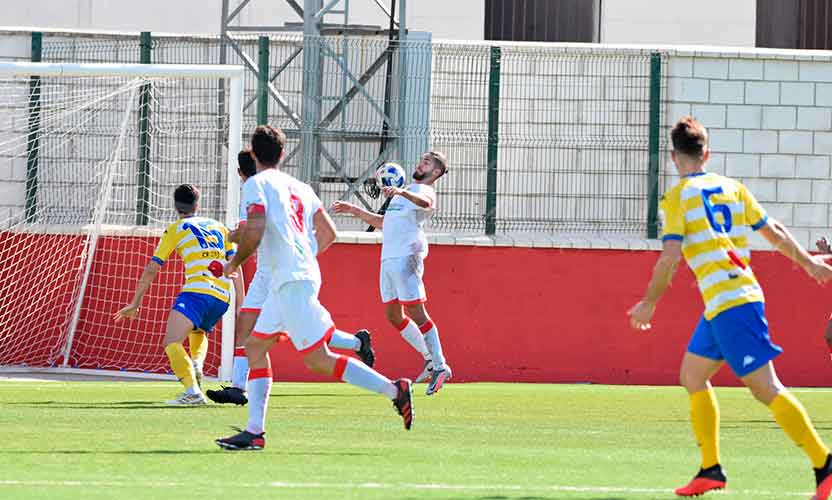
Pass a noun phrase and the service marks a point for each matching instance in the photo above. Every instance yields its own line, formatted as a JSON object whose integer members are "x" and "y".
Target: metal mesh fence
{"x": 573, "y": 122}
{"x": 459, "y": 128}
{"x": 573, "y": 141}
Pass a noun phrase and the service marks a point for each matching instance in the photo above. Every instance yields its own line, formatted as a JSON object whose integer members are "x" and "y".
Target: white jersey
{"x": 288, "y": 250}
{"x": 308, "y": 223}
{"x": 404, "y": 223}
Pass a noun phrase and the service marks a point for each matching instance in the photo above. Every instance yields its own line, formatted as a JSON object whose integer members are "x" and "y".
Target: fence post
{"x": 143, "y": 194}
{"x": 653, "y": 144}
{"x": 493, "y": 139}
{"x": 33, "y": 140}
{"x": 263, "y": 81}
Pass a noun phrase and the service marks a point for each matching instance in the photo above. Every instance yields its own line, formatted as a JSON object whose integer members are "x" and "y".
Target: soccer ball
{"x": 391, "y": 175}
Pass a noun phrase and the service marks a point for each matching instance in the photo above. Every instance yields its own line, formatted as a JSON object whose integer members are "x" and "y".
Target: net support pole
{"x": 392, "y": 46}
{"x": 143, "y": 193}
{"x": 232, "y": 199}
{"x": 221, "y": 147}
{"x": 310, "y": 139}
{"x": 493, "y": 142}
{"x": 406, "y": 156}
{"x": 33, "y": 140}
{"x": 653, "y": 145}
{"x": 262, "y": 80}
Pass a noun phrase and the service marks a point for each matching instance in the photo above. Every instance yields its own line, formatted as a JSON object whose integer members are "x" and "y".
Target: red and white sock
{"x": 344, "y": 340}
{"x": 431, "y": 338}
{"x": 410, "y": 332}
{"x": 239, "y": 370}
{"x": 357, "y": 373}
{"x": 259, "y": 387}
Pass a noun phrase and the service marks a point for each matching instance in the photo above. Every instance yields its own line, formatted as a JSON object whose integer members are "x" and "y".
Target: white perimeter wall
{"x": 769, "y": 115}
{"x": 710, "y": 22}
{"x": 452, "y": 19}
{"x": 703, "y": 22}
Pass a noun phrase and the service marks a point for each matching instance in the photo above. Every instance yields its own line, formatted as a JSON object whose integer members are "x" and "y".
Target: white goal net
{"x": 89, "y": 158}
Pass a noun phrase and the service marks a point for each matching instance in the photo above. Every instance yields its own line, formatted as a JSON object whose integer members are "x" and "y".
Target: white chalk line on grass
{"x": 383, "y": 486}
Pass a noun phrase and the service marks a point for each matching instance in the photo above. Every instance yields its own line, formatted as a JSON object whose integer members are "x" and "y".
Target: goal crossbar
{"x": 112, "y": 69}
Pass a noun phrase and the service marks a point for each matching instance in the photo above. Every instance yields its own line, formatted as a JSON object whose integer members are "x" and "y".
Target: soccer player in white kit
{"x": 258, "y": 289}
{"x": 276, "y": 206}
{"x": 403, "y": 251}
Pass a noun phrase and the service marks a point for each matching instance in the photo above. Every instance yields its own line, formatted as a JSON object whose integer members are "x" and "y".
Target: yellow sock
{"x": 704, "y": 416}
{"x": 792, "y": 417}
{"x": 181, "y": 364}
{"x": 198, "y": 343}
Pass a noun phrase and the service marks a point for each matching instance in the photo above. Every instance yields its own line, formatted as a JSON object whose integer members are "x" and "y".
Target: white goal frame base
{"x": 88, "y": 373}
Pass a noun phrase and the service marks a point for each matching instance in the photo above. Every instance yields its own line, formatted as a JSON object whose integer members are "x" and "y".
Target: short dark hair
{"x": 439, "y": 160}
{"x": 247, "y": 166}
{"x": 689, "y": 137}
{"x": 185, "y": 198}
{"x": 268, "y": 142}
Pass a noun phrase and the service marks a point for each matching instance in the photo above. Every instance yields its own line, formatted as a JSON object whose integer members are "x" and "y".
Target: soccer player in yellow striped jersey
{"x": 204, "y": 247}
{"x": 708, "y": 219}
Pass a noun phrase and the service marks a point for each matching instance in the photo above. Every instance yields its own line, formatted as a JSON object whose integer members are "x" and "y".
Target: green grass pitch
{"x": 96, "y": 440}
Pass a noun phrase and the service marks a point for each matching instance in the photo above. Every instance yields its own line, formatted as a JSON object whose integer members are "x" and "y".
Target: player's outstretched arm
{"x": 782, "y": 240}
{"x": 148, "y": 275}
{"x": 325, "y": 232}
{"x": 343, "y": 207}
{"x": 641, "y": 313}
{"x": 419, "y": 200}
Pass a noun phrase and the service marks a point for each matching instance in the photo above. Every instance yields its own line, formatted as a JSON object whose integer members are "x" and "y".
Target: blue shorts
{"x": 203, "y": 310}
{"x": 739, "y": 336}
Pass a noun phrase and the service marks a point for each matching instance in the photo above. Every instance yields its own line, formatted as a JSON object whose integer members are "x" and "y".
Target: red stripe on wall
{"x": 507, "y": 314}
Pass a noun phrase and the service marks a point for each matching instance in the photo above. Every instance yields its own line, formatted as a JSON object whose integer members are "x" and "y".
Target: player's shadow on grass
{"x": 325, "y": 395}
{"x": 111, "y": 452}
{"x": 547, "y": 497}
{"x": 107, "y": 405}
{"x": 771, "y": 424}
{"x": 138, "y": 405}
{"x": 82, "y": 403}
{"x": 821, "y": 425}
{"x": 179, "y": 452}
{"x": 325, "y": 453}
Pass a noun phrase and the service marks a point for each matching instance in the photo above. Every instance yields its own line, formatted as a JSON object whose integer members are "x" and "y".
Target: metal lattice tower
{"x": 318, "y": 19}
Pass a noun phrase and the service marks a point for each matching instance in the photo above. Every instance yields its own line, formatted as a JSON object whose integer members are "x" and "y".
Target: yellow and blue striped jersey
{"x": 199, "y": 241}
{"x": 713, "y": 216}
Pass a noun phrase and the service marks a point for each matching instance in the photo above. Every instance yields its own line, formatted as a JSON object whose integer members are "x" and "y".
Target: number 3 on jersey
{"x": 711, "y": 210}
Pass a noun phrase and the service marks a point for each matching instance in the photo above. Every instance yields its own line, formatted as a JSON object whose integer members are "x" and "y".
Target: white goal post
{"x": 89, "y": 157}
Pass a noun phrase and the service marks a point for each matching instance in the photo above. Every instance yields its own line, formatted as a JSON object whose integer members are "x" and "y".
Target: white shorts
{"x": 258, "y": 290}
{"x": 401, "y": 280}
{"x": 294, "y": 309}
